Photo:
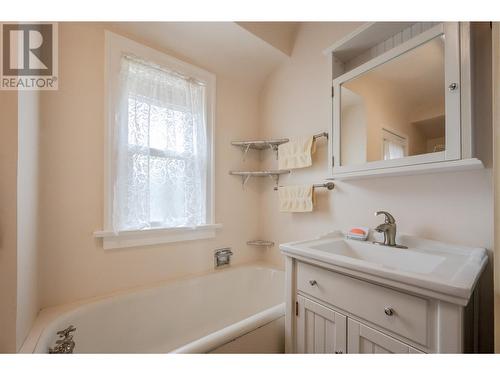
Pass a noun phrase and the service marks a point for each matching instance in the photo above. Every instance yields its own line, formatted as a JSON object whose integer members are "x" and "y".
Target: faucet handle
{"x": 389, "y": 219}
{"x": 67, "y": 331}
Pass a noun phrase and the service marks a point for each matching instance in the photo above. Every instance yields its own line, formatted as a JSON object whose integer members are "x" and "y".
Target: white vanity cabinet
{"x": 365, "y": 340}
{"x": 320, "y": 329}
{"x": 331, "y": 312}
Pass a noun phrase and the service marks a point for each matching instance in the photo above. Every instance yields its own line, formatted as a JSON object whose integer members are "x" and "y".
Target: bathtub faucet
{"x": 65, "y": 345}
{"x": 222, "y": 257}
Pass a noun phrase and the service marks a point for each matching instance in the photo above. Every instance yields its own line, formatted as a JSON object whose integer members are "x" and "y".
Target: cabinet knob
{"x": 389, "y": 311}
{"x": 453, "y": 86}
{"x": 313, "y": 282}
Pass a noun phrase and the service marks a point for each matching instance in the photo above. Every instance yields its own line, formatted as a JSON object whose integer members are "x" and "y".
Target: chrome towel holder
{"x": 328, "y": 185}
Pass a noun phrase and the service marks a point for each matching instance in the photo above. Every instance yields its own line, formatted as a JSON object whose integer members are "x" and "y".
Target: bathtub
{"x": 236, "y": 310}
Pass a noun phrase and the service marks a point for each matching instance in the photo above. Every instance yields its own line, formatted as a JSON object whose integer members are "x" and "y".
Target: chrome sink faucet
{"x": 389, "y": 230}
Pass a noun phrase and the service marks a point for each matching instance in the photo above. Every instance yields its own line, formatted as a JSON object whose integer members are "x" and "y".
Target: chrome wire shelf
{"x": 245, "y": 175}
{"x": 261, "y": 243}
{"x": 260, "y": 144}
{"x": 271, "y": 144}
{"x": 264, "y": 144}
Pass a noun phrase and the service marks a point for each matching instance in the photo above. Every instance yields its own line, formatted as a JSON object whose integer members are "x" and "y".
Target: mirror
{"x": 396, "y": 109}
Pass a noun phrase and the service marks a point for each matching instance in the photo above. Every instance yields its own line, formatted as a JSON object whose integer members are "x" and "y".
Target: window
{"x": 161, "y": 149}
{"x": 394, "y": 145}
{"x": 159, "y": 170}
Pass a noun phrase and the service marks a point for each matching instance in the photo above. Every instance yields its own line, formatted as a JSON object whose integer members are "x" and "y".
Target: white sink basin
{"x": 448, "y": 269}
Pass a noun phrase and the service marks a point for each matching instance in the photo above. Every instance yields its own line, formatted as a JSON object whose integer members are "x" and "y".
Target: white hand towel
{"x": 296, "y": 153}
{"x": 298, "y": 198}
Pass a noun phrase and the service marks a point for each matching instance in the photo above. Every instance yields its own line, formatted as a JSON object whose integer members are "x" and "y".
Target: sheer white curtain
{"x": 393, "y": 150}
{"x": 395, "y": 146}
{"x": 160, "y": 149}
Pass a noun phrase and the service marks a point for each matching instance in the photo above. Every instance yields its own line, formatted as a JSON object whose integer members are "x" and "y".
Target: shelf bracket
{"x": 276, "y": 178}
{"x": 245, "y": 151}
{"x": 244, "y": 180}
{"x": 274, "y": 148}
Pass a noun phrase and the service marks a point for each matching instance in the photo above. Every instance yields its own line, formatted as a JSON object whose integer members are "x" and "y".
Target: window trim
{"x": 115, "y": 47}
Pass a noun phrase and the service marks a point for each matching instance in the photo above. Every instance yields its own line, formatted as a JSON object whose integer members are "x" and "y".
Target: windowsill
{"x": 133, "y": 238}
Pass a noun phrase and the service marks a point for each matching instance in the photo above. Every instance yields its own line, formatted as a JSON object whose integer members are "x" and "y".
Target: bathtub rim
{"x": 49, "y": 315}
{"x": 218, "y": 338}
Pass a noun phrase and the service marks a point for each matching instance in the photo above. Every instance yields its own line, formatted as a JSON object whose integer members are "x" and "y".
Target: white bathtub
{"x": 237, "y": 310}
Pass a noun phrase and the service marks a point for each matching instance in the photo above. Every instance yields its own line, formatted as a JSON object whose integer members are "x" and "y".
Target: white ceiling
{"x": 224, "y": 48}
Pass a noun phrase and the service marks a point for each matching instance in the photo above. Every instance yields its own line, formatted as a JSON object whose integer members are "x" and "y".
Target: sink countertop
{"x": 431, "y": 268}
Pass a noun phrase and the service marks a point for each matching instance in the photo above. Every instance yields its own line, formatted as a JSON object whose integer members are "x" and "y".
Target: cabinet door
{"x": 362, "y": 339}
{"x": 320, "y": 329}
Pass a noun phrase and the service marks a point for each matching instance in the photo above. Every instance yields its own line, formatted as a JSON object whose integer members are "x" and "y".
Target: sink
{"x": 434, "y": 266}
{"x": 383, "y": 256}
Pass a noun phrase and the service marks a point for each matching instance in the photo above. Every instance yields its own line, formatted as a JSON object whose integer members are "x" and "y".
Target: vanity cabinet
{"x": 319, "y": 328}
{"x": 331, "y": 312}
{"x": 365, "y": 340}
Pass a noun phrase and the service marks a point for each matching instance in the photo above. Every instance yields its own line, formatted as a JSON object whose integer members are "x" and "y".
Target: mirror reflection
{"x": 396, "y": 109}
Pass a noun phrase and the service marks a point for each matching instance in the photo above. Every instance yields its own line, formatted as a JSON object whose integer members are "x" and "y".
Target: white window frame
{"x": 115, "y": 47}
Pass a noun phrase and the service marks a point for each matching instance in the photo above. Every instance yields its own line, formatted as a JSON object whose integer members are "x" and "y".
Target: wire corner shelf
{"x": 267, "y": 144}
{"x": 261, "y": 243}
{"x": 245, "y": 175}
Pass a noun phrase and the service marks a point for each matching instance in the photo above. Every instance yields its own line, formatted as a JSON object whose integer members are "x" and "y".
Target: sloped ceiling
{"x": 224, "y": 48}
{"x": 280, "y": 35}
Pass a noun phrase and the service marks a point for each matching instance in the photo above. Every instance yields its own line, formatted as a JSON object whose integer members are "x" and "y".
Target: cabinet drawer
{"x": 368, "y": 301}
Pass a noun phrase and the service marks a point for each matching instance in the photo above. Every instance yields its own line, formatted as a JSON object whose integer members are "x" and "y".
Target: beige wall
{"x": 73, "y": 264}
{"x": 8, "y": 184}
{"x": 27, "y": 212}
{"x": 452, "y": 207}
{"x": 496, "y": 119}
{"x": 386, "y": 109}
{"x": 18, "y": 216}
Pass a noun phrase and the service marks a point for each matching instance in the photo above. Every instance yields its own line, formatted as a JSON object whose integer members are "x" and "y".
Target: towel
{"x": 298, "y": 198}
{"x": 296, "y": 153}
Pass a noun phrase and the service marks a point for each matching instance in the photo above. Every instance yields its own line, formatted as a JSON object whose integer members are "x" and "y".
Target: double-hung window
{"x": 159, "y": 170}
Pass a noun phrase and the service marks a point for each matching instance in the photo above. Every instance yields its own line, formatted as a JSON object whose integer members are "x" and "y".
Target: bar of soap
{"x": 358, "y": 231}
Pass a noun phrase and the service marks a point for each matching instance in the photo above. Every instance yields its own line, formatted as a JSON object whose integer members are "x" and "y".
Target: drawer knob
{"x": 389, "y": 311}
{"x": 313, "y": 282}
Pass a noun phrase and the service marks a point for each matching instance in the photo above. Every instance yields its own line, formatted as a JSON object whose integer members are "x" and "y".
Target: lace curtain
{"x": 160, "y": 149}
{"x": 393, "y": 150}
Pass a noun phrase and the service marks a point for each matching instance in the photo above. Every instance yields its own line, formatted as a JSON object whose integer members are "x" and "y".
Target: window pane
{"x": 138, "y": 122}
{"x": 171, "y": 130}
{"x": 136, "y": 212}
{"x": 168, "y": 185}
{"x": 162, "y": 152}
